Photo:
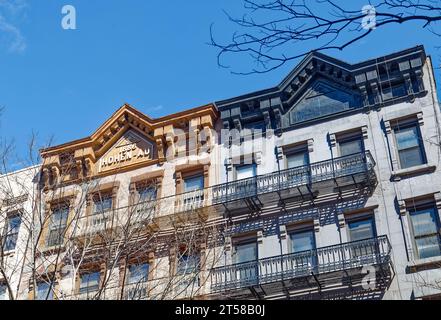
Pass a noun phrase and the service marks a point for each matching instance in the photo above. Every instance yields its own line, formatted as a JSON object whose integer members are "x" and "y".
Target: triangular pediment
{"x": 322, "y": 99}
{"x": 131, "y": 149}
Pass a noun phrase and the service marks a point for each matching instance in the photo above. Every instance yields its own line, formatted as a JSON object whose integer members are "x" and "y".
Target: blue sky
{"x": 151, "y": 54}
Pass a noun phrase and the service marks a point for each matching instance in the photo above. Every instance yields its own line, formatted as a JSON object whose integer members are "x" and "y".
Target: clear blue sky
{"x": 151, "y": 54}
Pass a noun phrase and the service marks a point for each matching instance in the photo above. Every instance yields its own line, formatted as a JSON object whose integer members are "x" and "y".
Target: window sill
{"x": 397, "y": 175}
{"x": 424, "y": 264}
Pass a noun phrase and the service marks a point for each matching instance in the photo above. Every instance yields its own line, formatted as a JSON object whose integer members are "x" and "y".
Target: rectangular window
{"x": 302, "y": 241}
{"x": 44, "y": 291}
{"x": 409, "y": 145}
{"x": 297, "y": 158}
{"x": 57, "y": 226}
{"x": 187, "y": 263}
{"x": 90, "y": 282}
{"x": 103, "y": 203}
{"x": 138, "y": 273}
{"x": 147, "y": 193}
{"x": 426, "y": 227}
{"x": 352, "y": 145}
{"x": 362, "y": 229}
{"x": 246, "y": 255}
{"x": 245, "y": 252}
{"x": 245, "y": 171}
{"x": 193, "y": 189}
{"x": 193, "y": 183}
{"x": 11, "y": 232}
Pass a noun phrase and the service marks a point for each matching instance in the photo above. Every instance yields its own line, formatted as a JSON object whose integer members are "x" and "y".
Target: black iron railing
{"x": 307, "y": 175}
{"x": 341, "y": 257}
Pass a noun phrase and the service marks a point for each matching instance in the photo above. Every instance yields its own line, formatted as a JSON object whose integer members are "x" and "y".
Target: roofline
{"x": 83, "y": 142}
{"x": 318, "y": 55}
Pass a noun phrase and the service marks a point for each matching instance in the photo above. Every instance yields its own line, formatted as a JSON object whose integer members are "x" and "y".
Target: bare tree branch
{"x": 275, "y": 32}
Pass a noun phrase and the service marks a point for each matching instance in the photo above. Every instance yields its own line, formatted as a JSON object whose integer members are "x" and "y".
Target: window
{"x": 245, "y": 252}
{"x": 138, "y": 273}
{"x": 137, "y": 277}
{"x": 103, "y": 203}
{"x": 44, "y": 291}
{"x": 245, "y": 171}
{"x": 426, "y": 227}
{"x": 246, "y": 255}
{"x": 297, "y": 158}
{"x": 351, "y": 145}
{"x": 57, "y": 226}
{"x": 409, "y": 145}
{"x": 11, "y": 232}
{"x": 304, "y": 241}
{"x": 395, "y": 91}
{"x": 147, "y": 193}
{"x": 187, "y": 263}
{"x": 90, "y": 282}
{"x": 193, "y": 187}
{"x": 3, "y": 292}
{"x": 193, "y": 183}
{"x": 362, "y": 229}
{"x": 253, "y": 131}
{"x": 323, "y": 100}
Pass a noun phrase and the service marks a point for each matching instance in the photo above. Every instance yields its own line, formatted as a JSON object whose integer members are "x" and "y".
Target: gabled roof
{"x": 128, "y": 115}
{"x": 317, "y": 61}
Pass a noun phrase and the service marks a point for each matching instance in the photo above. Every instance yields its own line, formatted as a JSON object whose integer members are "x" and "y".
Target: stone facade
{"x": 325, "y": 187}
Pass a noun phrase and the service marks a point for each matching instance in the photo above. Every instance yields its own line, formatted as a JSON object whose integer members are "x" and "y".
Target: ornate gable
{"x": 126, "y": 141}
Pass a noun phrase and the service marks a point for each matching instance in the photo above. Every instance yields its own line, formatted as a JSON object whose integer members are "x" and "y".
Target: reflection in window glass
{"x": 90, "y": 282}
{"x": 297, "y": 159}
{"x": 245, "y": 171}
{"x": 409, "y": 145}
{"x": 352, "y": 146}
{"x": 103, "y": 204}
{"x": 11, "y": 232}
{"x": 361, "y": 229}
{"x": 323, "y": 100}
{"x": 138, "y": 273}
{"x": 425, "y": 224}
{"x": 44, "y": 291}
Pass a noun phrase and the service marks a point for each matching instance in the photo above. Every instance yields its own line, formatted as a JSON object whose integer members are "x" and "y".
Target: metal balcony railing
{"x": 326, "y": 260}
{"x": 307, "y": 175}
{"x": 338, "y": 172}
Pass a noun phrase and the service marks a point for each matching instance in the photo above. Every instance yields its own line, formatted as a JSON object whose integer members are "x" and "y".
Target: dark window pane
{"x": 409, "y": 146}
{"x": 246, "y": 253}
{"x": 426, "y": 232}
{"x": 44, "y": 291}
{"x": 361, "y": 229}
{"x": 138, "y": 273}
{"x": 321, "y": 101}
{"x": 194, "y": 183}
{"x": 104, "y": 204}
{"x": 297, "y": 159}
{"x": 351, "y": 146}
{"x": 411, "y": 157}
{"x": 302, "y": 241}
{"x": 11, "y": 232}
{"x": 90, "y": 282}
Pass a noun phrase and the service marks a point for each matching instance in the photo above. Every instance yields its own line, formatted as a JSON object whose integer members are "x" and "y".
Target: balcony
{"x": 329, "y": 176}
{"x": 315, "y": 270}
